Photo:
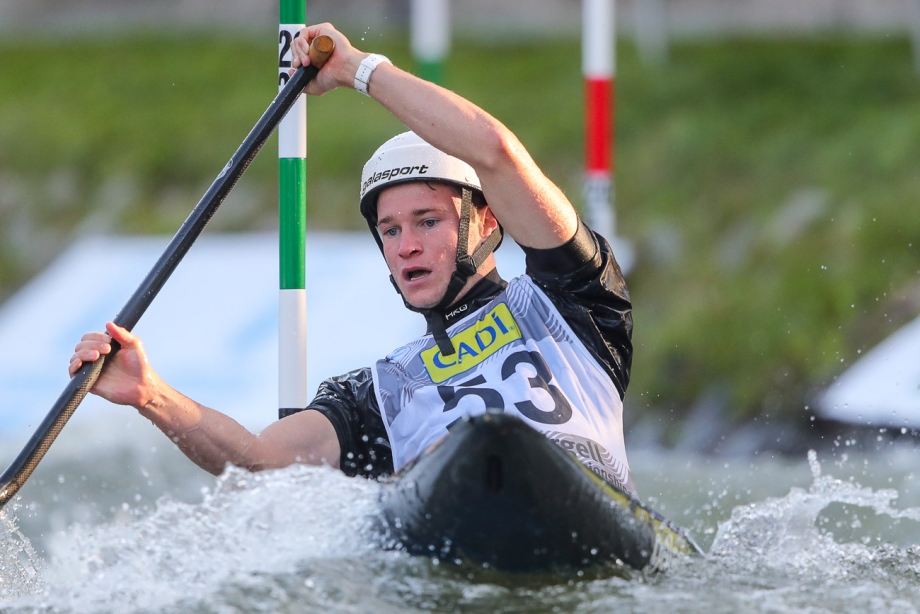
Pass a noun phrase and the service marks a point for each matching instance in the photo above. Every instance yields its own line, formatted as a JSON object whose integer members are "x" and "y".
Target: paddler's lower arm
{"x": 209, "y": 438}
{"x": 212, "y": 439}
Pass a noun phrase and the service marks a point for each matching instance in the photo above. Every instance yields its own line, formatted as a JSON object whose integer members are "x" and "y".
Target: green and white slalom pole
{"x": 430, "y": 37}
{"x": 292, "y": 227}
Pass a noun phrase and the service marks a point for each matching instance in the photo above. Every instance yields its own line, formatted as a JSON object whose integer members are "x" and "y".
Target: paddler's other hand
{"x": 339, "y": 69}
{"x": 128, "y": 379}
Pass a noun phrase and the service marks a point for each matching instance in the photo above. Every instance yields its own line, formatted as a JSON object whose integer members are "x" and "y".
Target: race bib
{"x": 517, "y": 355}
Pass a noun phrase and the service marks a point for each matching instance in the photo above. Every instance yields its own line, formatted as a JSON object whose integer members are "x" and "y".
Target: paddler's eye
{"x": 430, "y": 223}
{"x": 388, "y": 232}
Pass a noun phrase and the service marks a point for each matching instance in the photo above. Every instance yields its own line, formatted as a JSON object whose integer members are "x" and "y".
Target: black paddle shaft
{"x": 84, "y": 380}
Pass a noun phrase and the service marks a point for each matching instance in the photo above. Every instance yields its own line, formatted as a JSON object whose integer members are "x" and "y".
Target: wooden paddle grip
{"x": 320, "y": 50}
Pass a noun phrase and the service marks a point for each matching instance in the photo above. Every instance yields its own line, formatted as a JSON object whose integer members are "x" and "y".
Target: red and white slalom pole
{"x": 598, "y": 65}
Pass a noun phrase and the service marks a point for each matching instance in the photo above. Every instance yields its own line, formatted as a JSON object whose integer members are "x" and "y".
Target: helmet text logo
{"x": 419, "y": 169}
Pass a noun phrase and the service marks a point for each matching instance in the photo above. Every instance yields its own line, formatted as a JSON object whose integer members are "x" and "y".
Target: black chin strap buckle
{"x": 466, "y": 266}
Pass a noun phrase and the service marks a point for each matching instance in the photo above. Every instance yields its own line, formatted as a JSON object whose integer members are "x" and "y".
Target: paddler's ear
{"x": 486, "y": 219}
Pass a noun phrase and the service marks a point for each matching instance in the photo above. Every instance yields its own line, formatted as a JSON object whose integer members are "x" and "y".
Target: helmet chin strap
{"x": 467, "y": 265}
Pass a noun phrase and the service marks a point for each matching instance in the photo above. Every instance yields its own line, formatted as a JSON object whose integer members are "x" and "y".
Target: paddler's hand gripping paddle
{"x": 84, "y": 380}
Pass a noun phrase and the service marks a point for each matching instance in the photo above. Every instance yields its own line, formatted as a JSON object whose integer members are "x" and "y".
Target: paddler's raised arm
{"x": 209, "y": 438}
{"x": 532, "y": 209}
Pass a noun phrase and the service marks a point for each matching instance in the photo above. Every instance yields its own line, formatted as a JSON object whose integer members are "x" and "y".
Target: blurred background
{"x": 767, "y": 167}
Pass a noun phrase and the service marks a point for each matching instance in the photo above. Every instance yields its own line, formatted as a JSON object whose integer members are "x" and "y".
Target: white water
{"x": 132, "y": 530}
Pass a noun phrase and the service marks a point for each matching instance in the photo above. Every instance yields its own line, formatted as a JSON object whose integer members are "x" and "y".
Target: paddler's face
{"x": 418, "y": 224}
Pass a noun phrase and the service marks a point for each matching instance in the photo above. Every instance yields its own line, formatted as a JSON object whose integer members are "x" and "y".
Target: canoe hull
{"x": 496, "y": 492}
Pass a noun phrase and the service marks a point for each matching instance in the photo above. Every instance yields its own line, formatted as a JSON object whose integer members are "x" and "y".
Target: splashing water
{"x": 784, "y": 551}
{"x": 784, "y": 532}
{"x": 20, "y": 566}
{"x": 298, "y": 540}
{"x": 251, "y": 524}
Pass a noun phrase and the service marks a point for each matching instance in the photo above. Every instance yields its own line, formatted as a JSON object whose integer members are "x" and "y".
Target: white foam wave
{"x": 822, "y": 530}
{"x": 250, "y": 524}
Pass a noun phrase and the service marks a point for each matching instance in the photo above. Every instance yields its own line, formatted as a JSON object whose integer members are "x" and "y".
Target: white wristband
{"x": 366, "y": 69}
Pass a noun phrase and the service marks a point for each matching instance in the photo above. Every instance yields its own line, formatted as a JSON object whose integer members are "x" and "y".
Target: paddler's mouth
{"x": 415, "y": 274}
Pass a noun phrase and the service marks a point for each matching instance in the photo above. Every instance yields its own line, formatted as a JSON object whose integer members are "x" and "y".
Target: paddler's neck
{"x": 482, "y": 292}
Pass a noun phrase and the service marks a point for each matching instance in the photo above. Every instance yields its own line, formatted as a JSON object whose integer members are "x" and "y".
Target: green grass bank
{"x": 770, "y": 187}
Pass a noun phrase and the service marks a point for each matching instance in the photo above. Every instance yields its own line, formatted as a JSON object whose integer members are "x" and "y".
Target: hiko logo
{"x": 393, "y": 173}
{"x": 490, "y": 333}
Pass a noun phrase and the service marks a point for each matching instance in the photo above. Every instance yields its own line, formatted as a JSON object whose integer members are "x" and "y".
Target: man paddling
{"x": 552, "y": 347}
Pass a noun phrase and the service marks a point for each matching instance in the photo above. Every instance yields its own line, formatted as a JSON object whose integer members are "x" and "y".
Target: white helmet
{"x": 406, "y": 157}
